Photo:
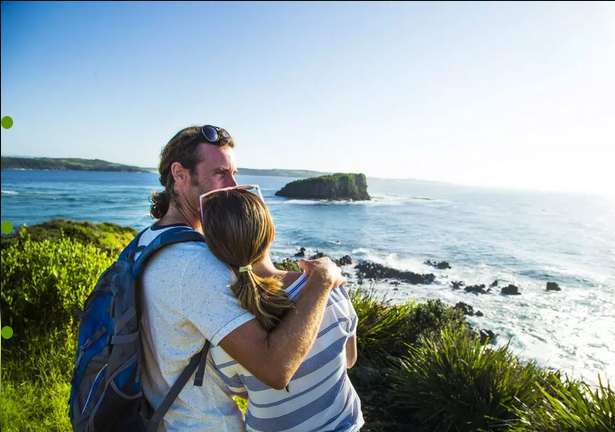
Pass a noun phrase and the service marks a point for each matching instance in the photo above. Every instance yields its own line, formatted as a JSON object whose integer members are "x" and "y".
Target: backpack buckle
{"x": 130, "y": 256}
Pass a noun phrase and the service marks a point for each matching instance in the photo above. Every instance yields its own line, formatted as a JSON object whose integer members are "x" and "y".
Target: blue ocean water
{"x": 523, "y": 238}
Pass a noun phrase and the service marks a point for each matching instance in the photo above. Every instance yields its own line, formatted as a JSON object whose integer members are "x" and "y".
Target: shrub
{"x": 384, "y": 330}
{"x": 450, "y": 381}
{"x": 288, "y": 265}
{"x": 571, "y": 407}
{"x": 42, "y": 284}
{"x": 382, "y": 333}
{"x": 106, "y": 236}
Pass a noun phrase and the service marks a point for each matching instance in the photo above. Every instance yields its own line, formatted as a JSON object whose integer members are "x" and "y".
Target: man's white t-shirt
{"x": 186, "y": 299}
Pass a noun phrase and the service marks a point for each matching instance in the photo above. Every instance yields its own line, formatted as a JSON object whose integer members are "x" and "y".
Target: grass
{"x": 35, "y": 407}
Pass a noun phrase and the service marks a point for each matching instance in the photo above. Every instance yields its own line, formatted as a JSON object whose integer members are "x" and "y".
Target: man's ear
{"x": 179, "y": 173}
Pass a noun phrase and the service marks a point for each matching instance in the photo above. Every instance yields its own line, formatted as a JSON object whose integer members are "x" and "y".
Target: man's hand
{"x": 324, "y": 269}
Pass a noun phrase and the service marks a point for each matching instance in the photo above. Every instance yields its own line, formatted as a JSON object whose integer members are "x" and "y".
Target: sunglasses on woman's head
{"x": 255, "y": 189}
{"x": 212, "y": 134}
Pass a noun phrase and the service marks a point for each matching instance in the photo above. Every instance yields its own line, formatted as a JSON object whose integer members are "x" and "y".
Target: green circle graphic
{"x": 7, "y": 122}
{"x": 7, "y": 332}
{"x": 7, "y": 227}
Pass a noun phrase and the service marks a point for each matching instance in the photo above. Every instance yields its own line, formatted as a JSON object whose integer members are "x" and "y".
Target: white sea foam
{"x": 570, "y": 329}
{"x": 9, "y": 192}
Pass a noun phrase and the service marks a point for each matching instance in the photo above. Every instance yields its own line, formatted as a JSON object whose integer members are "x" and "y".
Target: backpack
{"x": 106, "y": 393}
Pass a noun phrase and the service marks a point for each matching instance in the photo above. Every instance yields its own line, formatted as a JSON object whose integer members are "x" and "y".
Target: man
{"x": 186, "y": 296}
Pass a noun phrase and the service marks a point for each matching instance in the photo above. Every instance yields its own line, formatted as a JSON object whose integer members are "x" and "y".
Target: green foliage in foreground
{"x": 106, "y": 236}
{"x": 384, "y": 330}
{"x": 571, "y": 407}
{"x": 419, "y": 368}
{"x": 450, "y": 381}
{"x": 35, "y": 407}
{"x": 43, "y": 283}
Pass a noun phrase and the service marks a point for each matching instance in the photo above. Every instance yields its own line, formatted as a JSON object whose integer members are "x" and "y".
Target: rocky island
{"x": 337, "y": 187}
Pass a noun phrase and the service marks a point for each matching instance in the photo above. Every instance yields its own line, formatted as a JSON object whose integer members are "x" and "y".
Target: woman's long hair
{"x": 238, "y": 230}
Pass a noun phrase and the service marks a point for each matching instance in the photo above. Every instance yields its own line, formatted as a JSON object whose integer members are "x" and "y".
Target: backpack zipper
{"x": 92, "y": 389}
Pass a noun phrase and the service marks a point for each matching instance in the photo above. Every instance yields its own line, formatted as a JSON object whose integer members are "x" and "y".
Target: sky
{"x": 510, "y": 94}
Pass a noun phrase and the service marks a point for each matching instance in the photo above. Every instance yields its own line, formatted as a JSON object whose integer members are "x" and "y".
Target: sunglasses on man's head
{"x": 255, "y": 189}
{"x": 213, "y": 134}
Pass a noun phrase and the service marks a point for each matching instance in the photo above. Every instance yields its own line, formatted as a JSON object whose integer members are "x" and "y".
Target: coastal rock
{"x": 440, "y": 266}
{"x": 510, "y": 290}
{"x": 457, "y": 284}
{"x": 334, "y": 187}
{"x": 345, "y": 260}
{"x": 301, "y": 253}
{"x": 468, "y": 310}
{"x": 480, "y": 289}
{"x": 317, "y": 255}
{"x": 495, "y": 283}
{"x": 487, "y": 335}
{"x": 378, "y": 271}
{"x": 552, "y": 286}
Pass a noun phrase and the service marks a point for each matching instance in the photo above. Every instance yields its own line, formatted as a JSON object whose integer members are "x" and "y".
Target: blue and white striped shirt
{"x": 321, "y": 396}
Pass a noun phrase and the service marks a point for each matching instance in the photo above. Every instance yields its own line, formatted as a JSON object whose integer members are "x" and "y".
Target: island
{"x": 336, "y": 187}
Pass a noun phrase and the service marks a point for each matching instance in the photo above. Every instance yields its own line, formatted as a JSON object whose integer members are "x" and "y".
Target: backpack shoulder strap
{"x": 197, "y": 360}
{"x": 172, "y": 236}
{"x": 128, "y": 251}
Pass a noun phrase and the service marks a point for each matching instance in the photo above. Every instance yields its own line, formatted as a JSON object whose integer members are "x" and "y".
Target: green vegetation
{"x": 451, "y": 379}
{"x": 70, "y": 164}
{"x": 106, "y": 236}
{"x": 42, "y": 284}
{"x": 420, "y": 368}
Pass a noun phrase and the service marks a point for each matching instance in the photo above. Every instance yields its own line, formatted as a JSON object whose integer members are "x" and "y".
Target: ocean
{"x": 518, "y": 237}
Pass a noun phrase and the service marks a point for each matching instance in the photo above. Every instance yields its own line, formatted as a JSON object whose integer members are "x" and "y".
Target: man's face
{"x": 216, "y": 170}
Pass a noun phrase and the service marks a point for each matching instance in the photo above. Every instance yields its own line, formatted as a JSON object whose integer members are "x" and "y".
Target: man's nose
{"x": 231, "y": 181}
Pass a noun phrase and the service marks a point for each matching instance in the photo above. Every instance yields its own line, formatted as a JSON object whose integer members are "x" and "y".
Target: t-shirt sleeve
{"x": 207, "y": 300}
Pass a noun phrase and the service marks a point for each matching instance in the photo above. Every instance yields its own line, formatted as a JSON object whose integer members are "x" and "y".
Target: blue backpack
{"x": 106, "y": 394}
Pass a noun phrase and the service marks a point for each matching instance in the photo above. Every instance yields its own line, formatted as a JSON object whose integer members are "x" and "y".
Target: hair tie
{"x": 245, "y": 268}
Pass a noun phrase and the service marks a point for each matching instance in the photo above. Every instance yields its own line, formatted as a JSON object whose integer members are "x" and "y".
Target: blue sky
{"x": 497, "y": 94}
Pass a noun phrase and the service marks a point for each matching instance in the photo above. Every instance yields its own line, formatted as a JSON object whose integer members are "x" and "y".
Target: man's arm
{"x": 274, "y": 357}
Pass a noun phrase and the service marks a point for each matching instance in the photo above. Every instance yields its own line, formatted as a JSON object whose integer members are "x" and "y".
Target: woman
{"x": 239, "y": 230}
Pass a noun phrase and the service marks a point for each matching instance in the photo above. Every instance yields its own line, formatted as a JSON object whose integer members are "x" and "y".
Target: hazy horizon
{"x": 503, "y": 95}
{"x": 404, "y": 179}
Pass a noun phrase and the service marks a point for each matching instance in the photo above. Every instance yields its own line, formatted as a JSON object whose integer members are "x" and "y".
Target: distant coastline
{"x": 66, "y": 164}
{"x": 75, "y": 164}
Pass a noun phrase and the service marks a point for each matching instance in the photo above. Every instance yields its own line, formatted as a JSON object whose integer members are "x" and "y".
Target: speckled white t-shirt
{"x": 186, "y": 299}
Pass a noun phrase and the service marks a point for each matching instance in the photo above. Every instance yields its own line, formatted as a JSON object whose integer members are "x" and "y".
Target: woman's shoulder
{"x": 293, "y": 283}
{"x": 291, "y": 278}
